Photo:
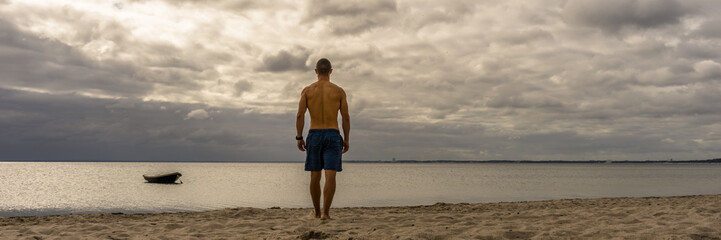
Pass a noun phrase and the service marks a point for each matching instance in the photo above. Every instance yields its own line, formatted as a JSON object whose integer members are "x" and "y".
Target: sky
{"x": 191, "y": 80}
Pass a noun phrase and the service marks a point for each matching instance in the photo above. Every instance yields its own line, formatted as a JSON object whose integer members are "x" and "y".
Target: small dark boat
{"x": 164, "y": 178}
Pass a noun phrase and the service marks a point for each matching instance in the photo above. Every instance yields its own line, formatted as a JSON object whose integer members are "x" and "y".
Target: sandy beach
{"x": 686, "y": 217}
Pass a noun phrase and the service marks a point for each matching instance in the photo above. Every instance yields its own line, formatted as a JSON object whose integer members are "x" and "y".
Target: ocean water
{"x": 47, "y": 188}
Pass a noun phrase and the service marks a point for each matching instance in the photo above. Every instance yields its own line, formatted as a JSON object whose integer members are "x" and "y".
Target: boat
{"x": 163, "y": 178}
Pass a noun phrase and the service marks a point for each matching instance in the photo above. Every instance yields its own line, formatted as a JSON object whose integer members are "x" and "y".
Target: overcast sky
{"x": 472, "y": 80}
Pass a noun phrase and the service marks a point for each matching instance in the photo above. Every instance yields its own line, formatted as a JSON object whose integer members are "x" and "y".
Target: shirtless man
{"x": 325, "y": 145}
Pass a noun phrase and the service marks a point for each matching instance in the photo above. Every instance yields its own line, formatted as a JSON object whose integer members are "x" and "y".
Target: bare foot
{"x": 314, "y": 214}
{"x": 325, "y": 217}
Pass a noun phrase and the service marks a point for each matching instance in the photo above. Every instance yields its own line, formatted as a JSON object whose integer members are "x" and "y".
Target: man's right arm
{"x": 346, "y": 121}
{"x": 300, "y": 120}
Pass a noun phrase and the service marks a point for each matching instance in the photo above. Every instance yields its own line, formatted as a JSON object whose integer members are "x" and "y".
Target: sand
{"x": 688, "y": 217}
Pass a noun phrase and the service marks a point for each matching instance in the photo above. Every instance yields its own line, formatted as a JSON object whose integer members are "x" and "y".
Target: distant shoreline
{"x": 716, "y": 160}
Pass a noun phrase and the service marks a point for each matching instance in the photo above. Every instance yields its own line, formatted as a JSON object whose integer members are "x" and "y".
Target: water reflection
{"x": 56, "y": 188}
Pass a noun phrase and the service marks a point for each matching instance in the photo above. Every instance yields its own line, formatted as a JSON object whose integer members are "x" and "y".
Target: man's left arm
{"x": 345, "y": 116}
{"x": 300, "y": 120}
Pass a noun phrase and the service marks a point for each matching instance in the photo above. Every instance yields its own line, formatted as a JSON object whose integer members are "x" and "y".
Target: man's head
{"x": 323, "y": 67}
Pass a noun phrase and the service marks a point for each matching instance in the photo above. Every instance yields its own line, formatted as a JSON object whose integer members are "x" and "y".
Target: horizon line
{"x": 385, "y": 161}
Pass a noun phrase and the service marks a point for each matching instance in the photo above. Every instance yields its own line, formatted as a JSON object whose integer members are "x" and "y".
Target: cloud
{"x": 351, "y": 17}
{"x": 612, "y": 15}
{"x": 32, "y": 62}
{"x": 219, "y": 137}
{"x": 286, "y": 60}
{"x": 235, "y": 5}
{"x": 242, "y": 86}
{"x": 72, "y": 127}
{"x": 429, "y": 13}
{"x": 199, "y": 114}
{"x": 708, "y": 69}
{"x": 710, "y": 29}
{"x": 521, "y": 37}
{"x": 549, "y": 79}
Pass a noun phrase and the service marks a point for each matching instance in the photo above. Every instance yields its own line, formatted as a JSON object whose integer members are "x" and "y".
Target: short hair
{"x": 323, "y": 66}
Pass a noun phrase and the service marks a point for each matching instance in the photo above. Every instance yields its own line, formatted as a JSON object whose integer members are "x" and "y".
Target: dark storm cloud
{"x": 29, "y": 61}
{"x": 612, "y": 15}
{"x": 692, "y": 102}
{"x": 429, "y": 141}
{"x": 286, "y": 60}
{"x": 592, "y": 148}
{"x": 54, "y": 127}
{"x": 351, "y": 17}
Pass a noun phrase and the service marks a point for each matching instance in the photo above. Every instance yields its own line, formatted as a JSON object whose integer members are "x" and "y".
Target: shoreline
{"x": 694, "y": 217}
{"x": 715, "y": 160}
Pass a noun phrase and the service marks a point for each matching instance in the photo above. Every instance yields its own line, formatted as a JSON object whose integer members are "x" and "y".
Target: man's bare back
{"x": 324, "y": 99}
{"x": 325, "y": 145}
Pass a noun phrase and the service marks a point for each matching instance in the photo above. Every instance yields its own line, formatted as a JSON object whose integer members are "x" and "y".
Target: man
{"x": 325, "y": 146}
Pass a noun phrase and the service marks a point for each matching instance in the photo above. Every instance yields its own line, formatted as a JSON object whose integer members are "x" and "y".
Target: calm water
{"x": 60, "y": 188}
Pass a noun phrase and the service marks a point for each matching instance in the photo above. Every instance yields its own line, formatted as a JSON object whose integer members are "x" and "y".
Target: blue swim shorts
{"x": 323, "y": 149}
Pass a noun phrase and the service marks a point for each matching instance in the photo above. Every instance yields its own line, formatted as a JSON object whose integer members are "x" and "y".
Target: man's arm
{"x": 346, "y": 121}
{"x": 300, "y": 120}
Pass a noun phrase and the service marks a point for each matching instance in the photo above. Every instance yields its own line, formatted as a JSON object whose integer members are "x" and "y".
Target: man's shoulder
{"x": 315, "y": 84}
{"x": 306, "y": 88}
{"x": 339, "y": 90}
{"x": 336, "y": 86}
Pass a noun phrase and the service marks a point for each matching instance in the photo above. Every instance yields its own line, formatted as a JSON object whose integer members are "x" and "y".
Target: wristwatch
{"x": 299, "y": 138}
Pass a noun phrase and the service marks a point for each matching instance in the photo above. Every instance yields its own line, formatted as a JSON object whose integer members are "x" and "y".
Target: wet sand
{"x": 687, "y": 217}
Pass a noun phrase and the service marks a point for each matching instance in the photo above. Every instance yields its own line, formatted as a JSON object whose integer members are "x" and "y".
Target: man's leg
{"x": 315, "y": 191}
{"x": 328, "y": 192}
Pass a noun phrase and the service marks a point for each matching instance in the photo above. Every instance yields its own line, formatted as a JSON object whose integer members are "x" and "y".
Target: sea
{"x": 51, "y": 188}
